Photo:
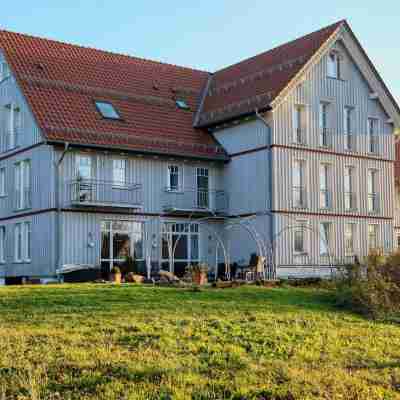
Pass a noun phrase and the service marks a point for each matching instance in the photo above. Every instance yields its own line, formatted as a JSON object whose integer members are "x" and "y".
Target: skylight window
{"x": 107, "y": 110}
{"x": 182, "y": 104}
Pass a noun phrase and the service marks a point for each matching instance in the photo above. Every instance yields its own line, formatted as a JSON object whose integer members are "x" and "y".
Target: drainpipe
{"x": 270, "y": 176}
{"x": 57, "y": 164}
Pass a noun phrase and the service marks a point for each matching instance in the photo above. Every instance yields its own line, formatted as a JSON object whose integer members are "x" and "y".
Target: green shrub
{"x": 372, "y": 288}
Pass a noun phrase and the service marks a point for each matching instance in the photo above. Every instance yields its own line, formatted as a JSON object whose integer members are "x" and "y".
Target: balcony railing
{"x": 325, "y": 137}
{"x": 373, "y": 203}
{"x": 299, "y": 197}
{"x": 350, "y": 201}
{"x": 195, "y": 201}
{"x": 91, "y": 192}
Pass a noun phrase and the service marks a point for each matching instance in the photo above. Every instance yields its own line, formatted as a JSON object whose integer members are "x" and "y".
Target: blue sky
{"x": 208, "y": 34}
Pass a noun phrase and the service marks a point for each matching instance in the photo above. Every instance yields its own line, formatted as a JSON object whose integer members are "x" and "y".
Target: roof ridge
{"x": 338, "y": 23}
{"x": 108, "y": 52}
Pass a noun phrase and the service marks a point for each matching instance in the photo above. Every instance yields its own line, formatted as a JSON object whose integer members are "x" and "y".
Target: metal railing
{"x": 189, "y": 199}
{"x": 373, "y": 203}
{"x": 350, "y": 201}
{"x": 92, "y": 192}
{"x": 325, "y": 137}
{"x": 299, "y": 197}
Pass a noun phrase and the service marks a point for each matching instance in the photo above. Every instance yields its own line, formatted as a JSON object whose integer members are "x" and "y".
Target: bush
{"x": 372, "y": 288}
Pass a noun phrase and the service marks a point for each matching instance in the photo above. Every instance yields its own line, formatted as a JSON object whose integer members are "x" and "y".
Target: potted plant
{"x": 199, "y": 273}
{"x": 115, "y": 274}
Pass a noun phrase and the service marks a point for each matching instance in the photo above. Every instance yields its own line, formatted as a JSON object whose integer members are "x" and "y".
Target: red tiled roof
{"x": 256, "y": 82}
{"x": 61, "y": 82}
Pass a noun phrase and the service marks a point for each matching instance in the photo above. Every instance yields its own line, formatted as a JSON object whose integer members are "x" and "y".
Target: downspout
{"x": 57, "y": 164}
{"x": 270, "y": 179}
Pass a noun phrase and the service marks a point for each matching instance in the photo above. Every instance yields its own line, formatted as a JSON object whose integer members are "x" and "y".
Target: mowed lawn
{"x": 132, "y": 342}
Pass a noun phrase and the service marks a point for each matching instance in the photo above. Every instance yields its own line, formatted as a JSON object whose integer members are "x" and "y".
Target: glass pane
{"x": 164, "y": 247}
{"x": 138, "y": 245}
{"x": 105, "y": 245}
{"x": 181, "y": 249}
{"x": 107, "y": 110}
{"x": 194, "y": 247}
{"x": 298, "y": 241}
{"x": 121, "y": 245}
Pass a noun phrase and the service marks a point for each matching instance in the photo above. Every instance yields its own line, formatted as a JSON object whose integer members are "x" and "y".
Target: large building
{"x": 290, "y": 153}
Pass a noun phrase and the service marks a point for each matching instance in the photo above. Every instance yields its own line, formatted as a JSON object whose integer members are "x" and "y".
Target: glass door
{"x": 203, "y": 189}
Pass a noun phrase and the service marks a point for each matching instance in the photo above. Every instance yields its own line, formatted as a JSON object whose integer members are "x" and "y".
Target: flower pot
{"x": 200, "y": 278}
{"x": 116, "y": 278}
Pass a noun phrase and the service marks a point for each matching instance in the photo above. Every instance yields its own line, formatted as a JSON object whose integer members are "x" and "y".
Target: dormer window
{"x": 334, "y": 65}
{"x": 182, "y": 104}
{"x": 107, "y": 110}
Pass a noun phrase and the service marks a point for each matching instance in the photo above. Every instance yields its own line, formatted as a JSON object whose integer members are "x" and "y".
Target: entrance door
{"x": 120, "y": 239}
{"x": 203, "y": 189}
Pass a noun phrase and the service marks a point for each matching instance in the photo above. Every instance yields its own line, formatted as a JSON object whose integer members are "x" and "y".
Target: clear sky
{"x": 208, "y": 34}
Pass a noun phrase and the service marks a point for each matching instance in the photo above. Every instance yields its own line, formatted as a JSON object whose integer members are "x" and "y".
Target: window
{"x": 2, "y": 182}
{"x": 174, "y": 178}
{"x": 348, "y": 128}
{"x": 84, "y": 166}
{"x": 300, "y": 237}
{"x": 182, "y": 241}
{"x": 349, "y": 239}
{"x": 372, "y": 135}
{"x": 324, "y": 200}
{"x": 323, "y": 124}
{"x": 107, "y": 110}
{"x": 325, "y": 238}
{"x": 372, "y": 195}
{"x": 182, "y": 104}
{"x": 13, "y": 126}
{"x": 398, "y": 241}
{"x": 119, "y": 172}
{"x": 18, "y": 243}
{"x": 299, "y": 124}
{"x": 4, "y": 71}
{"x": 298, "y": 184}
{"x": 2, "y": 244}
{"x": 372, "y": 236}
{"x": 23, "y": 185}
{"x": 203, "y": 188}
{"x": 349, "y": 195}
{"x": 27, "y": 242}
{"x": 334, "y": 65}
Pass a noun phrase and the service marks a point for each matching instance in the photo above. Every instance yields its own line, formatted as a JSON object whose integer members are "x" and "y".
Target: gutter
{"x": 57, "y": 165}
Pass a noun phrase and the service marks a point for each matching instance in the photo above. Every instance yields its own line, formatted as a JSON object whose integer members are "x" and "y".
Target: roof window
{"x": 107, "y": 110}
{"x": 182, "y": 104}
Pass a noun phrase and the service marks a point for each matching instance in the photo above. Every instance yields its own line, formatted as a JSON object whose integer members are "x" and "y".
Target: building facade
{"x": 105, "y": 156}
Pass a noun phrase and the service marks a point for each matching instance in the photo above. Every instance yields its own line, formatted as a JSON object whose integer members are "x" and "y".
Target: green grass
{"x": 130, "y": 342}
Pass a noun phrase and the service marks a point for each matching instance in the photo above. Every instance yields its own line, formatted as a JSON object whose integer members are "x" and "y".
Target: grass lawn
{"x": 131, "y": 342}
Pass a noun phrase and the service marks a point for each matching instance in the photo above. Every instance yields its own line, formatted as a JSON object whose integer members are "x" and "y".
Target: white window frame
{"x": 372, "y": 178}
{"x": 78, "y": 158}
{"x": 3, "y": 182}
{"x": 18, "y": 242}
{"x": 175, "y": 169}
{"x": 301, "y": 163}
{"x": 119, "y": 168}
{"x": 334, "y": 65}
{"x": 376, "y": 231}
{"x": 323, "y": 123}
{"x": 23, "y": 184}
{"x": 3, "y": 244}
{"x": 4, "y": 71}
{"x": 328, "y": 237}
{"x": 353, "y": 229}
{"x": 349, "y": 171}
{"x": 299, "y": 122}
{"x": 324, "y": 192}
{"x": 348, "y": 128}
{"x": 373, "y": 134}
{"x": 27, "y": 241}
{"x": 298, "y": 228}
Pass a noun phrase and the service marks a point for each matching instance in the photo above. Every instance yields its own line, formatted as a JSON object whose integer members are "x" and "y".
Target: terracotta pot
{"x": 200, "y": 278}
{"x": 116, "y": 278}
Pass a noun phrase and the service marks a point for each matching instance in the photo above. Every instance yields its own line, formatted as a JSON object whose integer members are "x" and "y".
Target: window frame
{"x": 299, "y": 120}
{"x": 348, "y": 111}
{"x": 372, "y": 190}
{"x": 3, "y": 182}
{"x": 98, "y": 104}
{"x": 353, "y": 226}
{"x": 323, "y": 124}
{"x": 3, "y": 238}
{"x": 120, "y": 183}
{"x": 376, "y": 231}
{"x": 18, "y": 242}
{"x": 303, "y": 183}
{"x": 373, "y": 145}
{"x": 4, "y": 67}
{"x": 351, "y": 191}
{"x": 334, "y": 61}
{"x": 23, "y": 184}
{"x": 324, "y": 189}
{"x": 299, "y": 227}
{"x": 179, "y": 187}
{"x": 328, "y": 238}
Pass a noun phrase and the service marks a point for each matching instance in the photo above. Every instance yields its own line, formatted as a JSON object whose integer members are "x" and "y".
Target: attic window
{"x": 107, "y": 110}
{"x": 182, "y": 104}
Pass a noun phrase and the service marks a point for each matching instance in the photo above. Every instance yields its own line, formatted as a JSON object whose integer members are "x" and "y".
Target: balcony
{"x": 195, "y": 201}
{"x": 96, "y": 193}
